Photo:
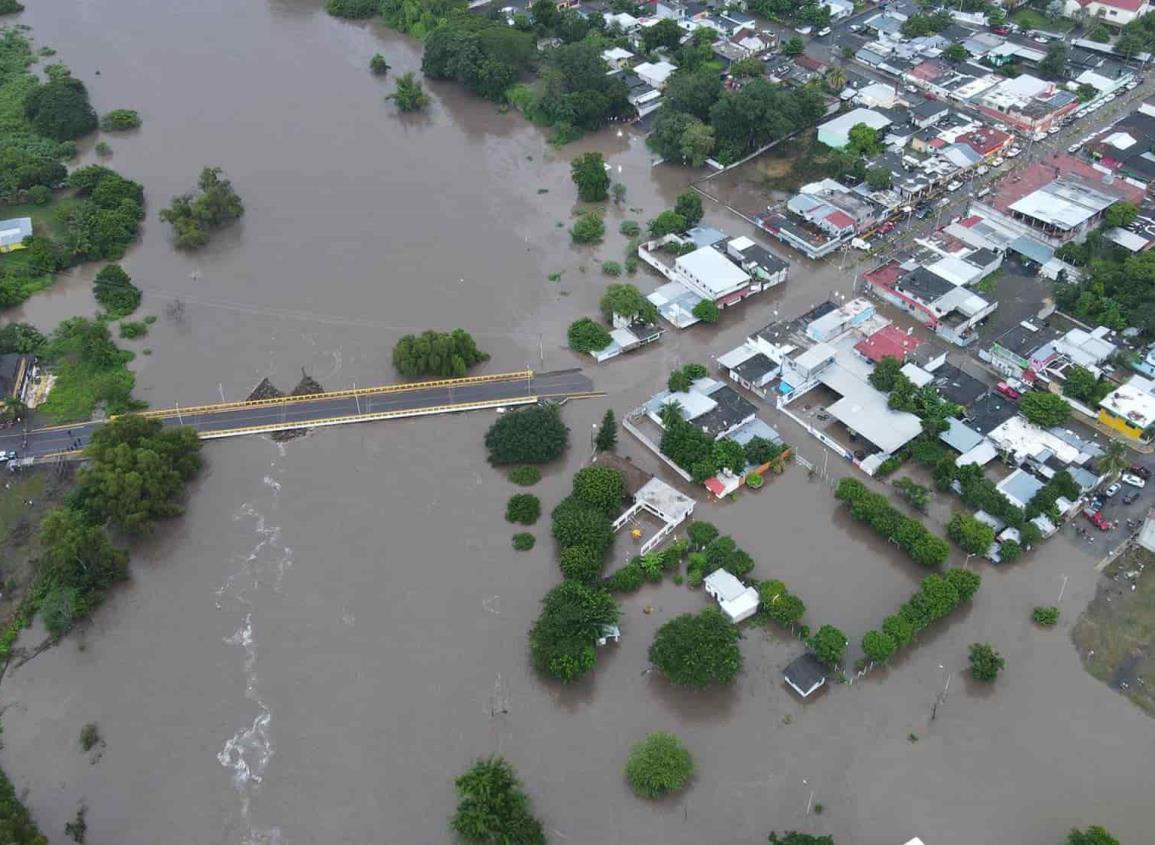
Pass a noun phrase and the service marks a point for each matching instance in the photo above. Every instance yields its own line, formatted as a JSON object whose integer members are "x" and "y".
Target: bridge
{"x": 339, "y": 407}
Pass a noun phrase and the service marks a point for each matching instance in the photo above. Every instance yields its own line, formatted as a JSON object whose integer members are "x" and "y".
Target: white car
{"x": 1040, "y": 136}
{"x": 997, "y": 161}
{"x": 1133, "y": 480}
{"x": 1112, "y": 490}
{"x": 1074, "y": 148}
{"x": 1012, "y": 153}
{"x": 983, "y": 170}
{"x": 1054, "y": 130}
{"x": 954, "y": 186}
{"x": 1110, "y": 98}
{"x": 822, "y": 33}
{"x": 1131, "y": 86}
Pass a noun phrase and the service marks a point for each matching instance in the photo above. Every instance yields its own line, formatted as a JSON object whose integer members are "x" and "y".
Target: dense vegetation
{"x": 588, "y": 172}
{"x": 524, "y": 508}
{"x": 90, "y": 370}
{"x": 534, "y": 435}
{"x": 492, "y": 808}
{"x": 698, "y": 118}
{"x": 114, "y": 290}
{"x": 628, "y": 302}
{"x": 120, "y": 120}
{"x": 195, "y": 216}
{"x": 1117, "y": 288}
{"x": 828, "y": 644}
{"x": 937, "y": 596}
{"x": 416, "y": 17}
{"x": 585, "y": 335}
{"x": 986, "y": 663}
{"x": 909, "y": 534}
{"x": 17, "y": 827}
{"x": 659, "y": 765}
{"x": 563, "y": 640}
{"x": 59, "y": 109}
{"x": 353, "y": 9}
{"x": 607, "y": 437}
{"x": 698, "y": 649}
{"x": 1044, "y": 409}
{"x": 408, "y": 94}
{"x": 443, "y": 354}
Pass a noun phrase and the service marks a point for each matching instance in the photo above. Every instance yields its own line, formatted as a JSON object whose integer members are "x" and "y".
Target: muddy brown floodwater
{"x": 337, "y": 626}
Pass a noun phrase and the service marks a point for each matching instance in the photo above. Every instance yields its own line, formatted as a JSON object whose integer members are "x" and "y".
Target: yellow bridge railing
{"x": 193, "y": 410}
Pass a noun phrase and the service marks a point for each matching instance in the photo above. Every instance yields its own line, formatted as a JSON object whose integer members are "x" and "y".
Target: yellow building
{"x": 1129, "y": 411}
{"x": 13, "y": 232}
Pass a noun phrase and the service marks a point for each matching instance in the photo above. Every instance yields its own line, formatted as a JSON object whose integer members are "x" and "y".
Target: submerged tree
{"x": 409, "y": 95}
{"x": 491, "y": 807}
{"x": 194, "y": 216}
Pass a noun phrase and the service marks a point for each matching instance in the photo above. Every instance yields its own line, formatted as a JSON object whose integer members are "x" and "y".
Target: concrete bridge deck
{"x": 263, "y": 416}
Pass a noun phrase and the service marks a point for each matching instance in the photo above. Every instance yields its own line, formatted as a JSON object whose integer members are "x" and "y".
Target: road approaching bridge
{"x": 340, "y": 407}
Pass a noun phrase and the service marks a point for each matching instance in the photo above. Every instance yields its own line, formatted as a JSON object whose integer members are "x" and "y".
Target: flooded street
{"x": 338, "y": 625}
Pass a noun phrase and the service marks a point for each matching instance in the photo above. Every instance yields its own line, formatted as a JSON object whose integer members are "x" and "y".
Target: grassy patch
{"x": 797, "y": 161}
{"x": 1116, "y": 637}
{"x": 80, "y": 386}
{"x": 21, "y": 489}
{"x": 1032, "y": 19}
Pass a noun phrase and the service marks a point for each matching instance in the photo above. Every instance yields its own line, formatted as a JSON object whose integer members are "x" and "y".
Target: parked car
{"x": 954, "y": 185}
{"x": 1133, "y": 480}
{"x": 1128, "y": 498}
{"x": 1110, "y": 98}
{"x": 822, "y": 33}
{"x": 1111, "y": 491}
{"x": 1131, "y": 86}
{"x": 1098, "y": 520}
{"x": 888, "y": 226}
{"x": 1142, "y": 472}
{"x": 1054, "y": 130}
{"x": 856, "y": 27}
{"x": 1007, "y": 391}
{"x": 1001, "y": 30}
{"x": 1011, "y": 153}
{"x": 803, "y": 30}
{"x": 1074, "y": 148}
{"x": 923, "y": 213}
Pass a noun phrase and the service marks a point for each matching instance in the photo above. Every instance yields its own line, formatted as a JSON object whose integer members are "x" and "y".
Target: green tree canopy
{"x": 588, "y": 172}
{"x": 627, "y": 301}
{"x": 689, "y": 207}
{"x": 878, "y": 646}
{"x": 659, "y": 765}
{"x": 492, "y": 809}
{"x": 1120, "y": 214}
{"x": 136, "y": 472}
{"x": 585, "y": 335}
{"x": 78, "y": 563}
{"x": 668, "y": 223}
{"x": 120, "y": 120}
{"x": 986, "y": 663}
{"x": 533, "y": 435}
{"x": 1045, "y": 409}
{"x": 114, "y": 290}
{"x": 194, "y": 216}
{"x": 829, "y": 645}
{"x": 972, "y": 536}
{"x": 698, "y": 650}
{"x": 863, "y": 140}
{"x": 578, "y": 523}
{"x": 588, "y": 228}
{"x": 563, "y": 639}
{"x": 706, "y": 311}
{"x": 1094, "y": 835}
{"x": 607, "y": 437}
{"x": 600, "y": 487}
{"x": 409, "y": 94}
{"x": 444, "y": 354}
{"x": 59, "y": 109}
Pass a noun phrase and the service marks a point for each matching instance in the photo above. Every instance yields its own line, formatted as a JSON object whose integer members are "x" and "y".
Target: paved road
{"x": 297, "y": 411}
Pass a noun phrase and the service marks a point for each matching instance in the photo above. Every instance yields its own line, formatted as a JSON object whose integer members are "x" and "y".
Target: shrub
{"x": 627, "y": 579}
{"x": 625, "y": 299}
{"x": 377, "y": 65}
{"x": 526, "y": 476}
{"x": 611, "y": 268}
{"x": 491, "y": 808}
{"x": 588, "y": 228}
{"x": 1009, "y": 551}
{"x": 986, "y": 663}
{"x": 114, "y": 290}
{"x": 659, "y": 765}
{"x": 523, "y": 541}
{"x": 585, "y": 335}
{"x": 879, "y": 646}
{"x": 133, "y": 329}
{"x": 600, "y": 487}
{"x": 965, "y": 582}
{"x": 120, "y": 120}
{"x": 630, "y": 228}
{"x": 445, "y": 354}
{"x": 701, "y": 534}
{"x": 524, "y": 508}
{"x": 972, "y": 536}
{"x": 533, "y": 435}
{"x": 1045, "y": 616}
{"x": 828, "y": 645}
{"x": 581, "y": 563}
{"x": 706, "y": 311}
{"x": 90, "y": 736}
{"x": 353, "y": 9}
{"x": 562, "y": 640}
{"x": 754, "y": 481}
{"x": 698, "y": 650}
{"x": 576, "y": 523}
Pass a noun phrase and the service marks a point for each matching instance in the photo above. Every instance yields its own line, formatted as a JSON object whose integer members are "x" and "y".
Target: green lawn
{"x": 1032, "y": 19}
{"x": 12, "y": 499}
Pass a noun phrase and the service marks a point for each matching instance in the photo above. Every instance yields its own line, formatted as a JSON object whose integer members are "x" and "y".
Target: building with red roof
{"x": 888, "y": 342}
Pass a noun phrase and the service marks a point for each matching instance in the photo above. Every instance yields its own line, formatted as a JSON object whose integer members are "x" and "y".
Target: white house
{"x": 839, "y": 9}
{"x": 1117, "y": 12}
{"x": 617, "y": 57}
{"x": 712, "y": 276}
{"x": 735, "y": 599}
{"x": 655, "y": 73}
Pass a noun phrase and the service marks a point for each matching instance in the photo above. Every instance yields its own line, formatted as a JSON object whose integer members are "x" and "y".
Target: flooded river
{"x": 337, "y": 626}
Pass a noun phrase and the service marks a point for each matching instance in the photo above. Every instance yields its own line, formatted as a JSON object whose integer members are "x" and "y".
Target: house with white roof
{"x": 712, "y": 276}
{"x": 1130, "y": 409}
{"x": 1114, "y": 12}
{"x": 13, "y": 232}
{"x": 655, "y": 74}
{"x": 735, "y": 599}
{"x": 836, "y": 133}
{"x": 617, "y": 57}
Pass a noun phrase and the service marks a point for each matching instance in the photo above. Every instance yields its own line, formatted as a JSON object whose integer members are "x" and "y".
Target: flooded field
{"x": 337, "y": 626}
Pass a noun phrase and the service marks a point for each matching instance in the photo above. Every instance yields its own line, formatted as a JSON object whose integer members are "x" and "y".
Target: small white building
{"x": 712, "y": 276}
{"x": 617, "y": 57}
{"x": 655, "y": 74}
{"x": 736, "y": 600}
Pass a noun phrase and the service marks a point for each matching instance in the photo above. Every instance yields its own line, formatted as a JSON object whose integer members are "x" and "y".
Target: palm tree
{"x": 835, "y": 79}
{"x": 1114, "y": 459}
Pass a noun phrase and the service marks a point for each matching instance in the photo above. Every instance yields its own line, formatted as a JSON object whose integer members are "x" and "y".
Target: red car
{"x": 886, "y": 227}
{"x": 1001, "y": 30}
{"x": 1098, "y": 520}
{"x": 1007, "y": 391}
